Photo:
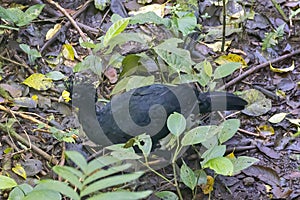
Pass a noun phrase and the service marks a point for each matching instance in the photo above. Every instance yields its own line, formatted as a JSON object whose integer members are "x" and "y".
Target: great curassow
{"x": 144, "y": 110}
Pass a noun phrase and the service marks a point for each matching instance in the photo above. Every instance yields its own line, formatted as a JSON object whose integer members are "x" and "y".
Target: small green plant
{"x": 20, "y": 18}
{"x": 212, "y": 138}
{"x": 206, "y": 76}
{"x": 87, "y": 182}
{"x": 271, "y": 39}
{"x": 177, "y": 60}
{"x": 33, "y": 54}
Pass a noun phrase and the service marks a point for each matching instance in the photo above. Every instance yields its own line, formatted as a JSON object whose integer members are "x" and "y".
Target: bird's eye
{"x": 75, "y": 95}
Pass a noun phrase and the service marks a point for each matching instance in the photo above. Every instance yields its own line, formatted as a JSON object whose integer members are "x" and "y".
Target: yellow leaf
{"x": 231, "y": 58}
{"x": 66, "y": 96}
{"x": 231, "y": 156}
{"x": 217, "y": 46}
{"x": 284, "y": 70}
{"x": 266, "y": 130}
{"x": 35, "y": 97}
{"x": 68, "y": 51}
{"x": 38, "y": 81}
{"x": 280, "y": 93}
{"x": 52, "y": 31}
{"x": 209, "y": 186}
{"x": 156, "y": 8}
{"x": 19, "y": 170}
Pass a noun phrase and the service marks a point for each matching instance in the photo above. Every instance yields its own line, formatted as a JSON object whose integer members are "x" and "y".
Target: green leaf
{"x": 166, "y": 195}
{"x": 115, "y": 17}
{"x": 30, "y": 14}
{"x": 269, "y": 40}
{"x": 227, "y": 129}
{"x": 176, "y": 124}
{"x": 185, "y": 78}
{"x": 91, "y": 62}
{"x": 277, "y": 118}
{"x": 294, "y": 13}
{"x": 126, "y": 153}
{"x": 202, "y": 177}
{"x": 198, "y": 135}
{"x": 220, "y": 165}
{"x": 211, "y": 142}
{"x": 130, "y": 65}
{"x": 16, "y": 194}
{"x": 205, "y": 72}
{"x": 57, "y": 186}
{"x": 109, "y": 182}
{"x": 122, "y": 38}
{"x": 55, "y": 75}
{"x": 43, "y": 194}
{"x": 116, "y": 60}
{"x": 33, "y": 54}
{"x": 186, "y": 24}
{"x": 207, "y": 68}
{"x": 124, "y": 195}
{"x": 188, "y": 177}
{"x": 19, "y": 192}
{"x": 120, "y": 86}
{"x": 149, "y": 17}
{"x": 7, "y": 182}
{"x": 74, "y": 171}
{"x": 18, "y": 17}
{"x": 139, "y": 81}
{"x": 146, "y": 144}
{"x": 25, "y": 48}
{"x": 106, "y": 172}
{"x": 226, "y": 69}
{"x": 101, "y": 4}
{"x": 177, "y": 58}
{"x": 242, "y": 163}
{"x": 78, "y": 159}
{"x": 101, "y": 162}
{"x": 114, "y": 30}
{"x": 68, "y": 175}
{"x": 214, "y": 152}
{"x": 10, "y": 14}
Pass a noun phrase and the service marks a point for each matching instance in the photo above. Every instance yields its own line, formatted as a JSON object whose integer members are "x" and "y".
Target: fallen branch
{"x": 254, "y": 69}
{"x": 15, "y": 135}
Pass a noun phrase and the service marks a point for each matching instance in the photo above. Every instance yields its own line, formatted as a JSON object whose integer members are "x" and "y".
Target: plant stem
{"x": 224, "y": 26}
{"x": 174, "y": 168}
{"x": 157, "y": 173}
{"x": 176, "y": 182}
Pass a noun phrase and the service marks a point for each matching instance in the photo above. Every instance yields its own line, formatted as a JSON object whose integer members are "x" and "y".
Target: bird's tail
{"x": 220, "y": 101}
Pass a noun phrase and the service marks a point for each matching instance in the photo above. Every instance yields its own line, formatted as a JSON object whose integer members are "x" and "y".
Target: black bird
{"x": 144, "y": 110}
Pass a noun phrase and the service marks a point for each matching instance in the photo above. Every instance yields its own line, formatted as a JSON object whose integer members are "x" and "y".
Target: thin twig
{"x": 61, "y": 9}
{"x": 49, "y": 42}
{"x": 16, "y": 63}
{"x": 24, "y": 116}
{"x": 248, "y": 132}
{"x": 15, "y": 135}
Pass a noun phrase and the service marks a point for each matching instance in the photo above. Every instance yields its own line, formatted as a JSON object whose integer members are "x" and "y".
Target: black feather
{"x": 145, "y": 110}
